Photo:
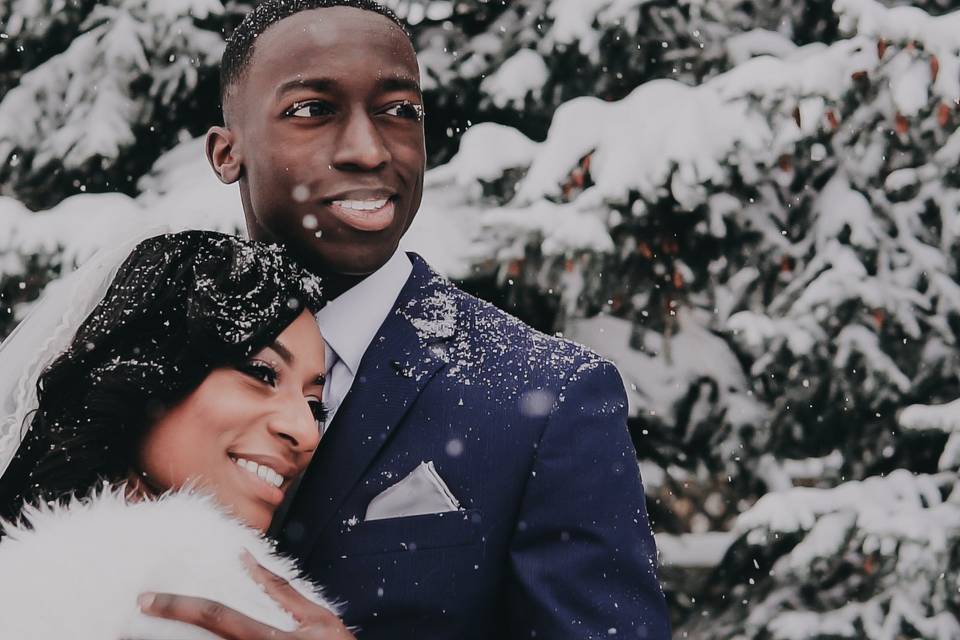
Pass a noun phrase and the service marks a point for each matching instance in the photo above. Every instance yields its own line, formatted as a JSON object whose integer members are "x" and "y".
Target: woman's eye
{"x": 261, "y": 371}
{"x": 309, "y": 109}
{"x": 408, "y": 110}
{"x": 320, "y": 413}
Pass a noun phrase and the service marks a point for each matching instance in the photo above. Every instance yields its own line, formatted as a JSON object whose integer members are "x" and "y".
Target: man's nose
{"x": 360, "y": 145}
{"x": 295, "y": 424}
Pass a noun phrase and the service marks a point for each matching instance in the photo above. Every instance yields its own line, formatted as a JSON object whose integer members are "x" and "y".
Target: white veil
{"x": 47, "y": 331}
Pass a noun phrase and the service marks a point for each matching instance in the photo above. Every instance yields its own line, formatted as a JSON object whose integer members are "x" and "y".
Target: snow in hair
{"x": 239, "y": 49}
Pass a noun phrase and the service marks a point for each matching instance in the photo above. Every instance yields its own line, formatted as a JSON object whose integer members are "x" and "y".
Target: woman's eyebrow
{"x": 283, "y": 352}
{"x": 289, "y": 358}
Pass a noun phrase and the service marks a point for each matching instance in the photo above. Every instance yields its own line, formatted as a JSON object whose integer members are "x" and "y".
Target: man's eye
{"x": 408, "y": 110}
{"x": 309, "y": 109}
{"x": 260, "y": 371}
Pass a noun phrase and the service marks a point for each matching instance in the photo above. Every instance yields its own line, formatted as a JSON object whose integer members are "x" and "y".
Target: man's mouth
{"x": 368, "y": 214}
{"x": 362, "y": 205}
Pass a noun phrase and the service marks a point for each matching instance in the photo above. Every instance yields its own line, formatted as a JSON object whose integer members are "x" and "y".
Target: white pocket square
{"x": 422, "y": 492}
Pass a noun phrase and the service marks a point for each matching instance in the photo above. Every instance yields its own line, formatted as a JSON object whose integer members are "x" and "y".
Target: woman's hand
{"x": 315, "y": 622}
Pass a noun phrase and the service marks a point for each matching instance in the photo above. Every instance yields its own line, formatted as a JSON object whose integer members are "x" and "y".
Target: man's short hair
{"x": 239, "y": 50}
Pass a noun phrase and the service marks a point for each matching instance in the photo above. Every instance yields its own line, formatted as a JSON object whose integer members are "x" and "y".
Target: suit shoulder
{"x": 492, "y": 330}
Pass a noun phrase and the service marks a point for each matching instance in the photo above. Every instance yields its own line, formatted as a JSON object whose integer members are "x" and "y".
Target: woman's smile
{"x": 260, "y": 481}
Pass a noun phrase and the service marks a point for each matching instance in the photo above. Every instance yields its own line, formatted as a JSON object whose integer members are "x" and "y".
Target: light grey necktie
{"x": 339, "y": 380}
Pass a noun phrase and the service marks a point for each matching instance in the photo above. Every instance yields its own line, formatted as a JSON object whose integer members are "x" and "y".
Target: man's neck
{"x": 336, "y": 284}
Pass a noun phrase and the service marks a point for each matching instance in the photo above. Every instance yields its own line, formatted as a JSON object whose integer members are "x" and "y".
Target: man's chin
{"x": 348, "y": 260}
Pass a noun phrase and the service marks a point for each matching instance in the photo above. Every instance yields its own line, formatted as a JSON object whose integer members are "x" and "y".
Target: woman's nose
{"x": 295, "y": 423}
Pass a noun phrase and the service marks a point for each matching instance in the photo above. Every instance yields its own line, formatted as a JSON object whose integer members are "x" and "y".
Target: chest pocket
{"x": 412, "y": 534}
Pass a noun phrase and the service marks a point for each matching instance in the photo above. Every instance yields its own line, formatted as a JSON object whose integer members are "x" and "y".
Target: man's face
{"x": 328, "y": 130}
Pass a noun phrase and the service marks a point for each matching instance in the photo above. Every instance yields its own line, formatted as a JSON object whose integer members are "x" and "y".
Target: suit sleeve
{"x": 582, "y": 557}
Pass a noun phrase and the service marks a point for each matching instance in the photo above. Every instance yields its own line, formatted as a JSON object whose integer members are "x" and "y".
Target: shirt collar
{"x": 350, "y": 322}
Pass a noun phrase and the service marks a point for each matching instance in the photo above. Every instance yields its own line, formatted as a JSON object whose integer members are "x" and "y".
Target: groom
{"x": 477, "y": 479}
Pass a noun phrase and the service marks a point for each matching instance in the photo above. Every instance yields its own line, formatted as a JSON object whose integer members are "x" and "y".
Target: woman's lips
{"x": 365, "y": 215}
{"x": 258, "y": 487}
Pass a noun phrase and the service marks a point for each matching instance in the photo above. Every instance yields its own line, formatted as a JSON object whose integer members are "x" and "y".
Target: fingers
{"x": 295, "y": 603}
{"x": 216, "y": 618}
{"x": 315, "y": 621}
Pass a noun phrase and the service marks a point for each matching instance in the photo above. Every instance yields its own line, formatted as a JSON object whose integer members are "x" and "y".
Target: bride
{"x": 162, "y": 440}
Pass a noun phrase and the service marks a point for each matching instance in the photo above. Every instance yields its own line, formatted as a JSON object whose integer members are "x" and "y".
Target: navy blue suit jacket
{"x": 529, "y": 433}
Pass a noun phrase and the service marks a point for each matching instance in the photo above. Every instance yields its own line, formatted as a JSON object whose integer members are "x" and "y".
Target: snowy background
{"x": 750, "y": 205}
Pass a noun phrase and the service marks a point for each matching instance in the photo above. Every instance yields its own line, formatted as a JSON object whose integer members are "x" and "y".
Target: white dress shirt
{"x": 350, "y": 322}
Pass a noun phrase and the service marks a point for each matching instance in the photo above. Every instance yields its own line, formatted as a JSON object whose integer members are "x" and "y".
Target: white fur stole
{"x": 75, "y": 571}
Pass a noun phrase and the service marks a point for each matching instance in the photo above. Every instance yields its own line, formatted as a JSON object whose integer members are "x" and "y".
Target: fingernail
{"x": 145, "y": 600}
{"x": 248, "y": 558}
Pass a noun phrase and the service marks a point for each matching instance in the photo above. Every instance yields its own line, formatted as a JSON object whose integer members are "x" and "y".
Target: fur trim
{"x": 75, "y": 571}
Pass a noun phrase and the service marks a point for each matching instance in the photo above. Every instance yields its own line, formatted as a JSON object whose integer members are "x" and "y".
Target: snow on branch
{"x": 872, "y": 501}
{"x": 884, "y": 539}
{"x": 944, "y": 417}
{"x": 632, "y": 150}
{"x": 939, "y": 35}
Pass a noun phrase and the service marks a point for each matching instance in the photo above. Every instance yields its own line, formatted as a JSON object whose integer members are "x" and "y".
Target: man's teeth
{"x": 263, "y": 472}
{"x": 362, "y": 205}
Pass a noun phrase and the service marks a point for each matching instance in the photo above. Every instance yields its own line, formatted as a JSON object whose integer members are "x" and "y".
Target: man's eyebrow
{"x": 317, "y": 84}
{"x": 283, "y": 352}
{"x": 401, "y": 83}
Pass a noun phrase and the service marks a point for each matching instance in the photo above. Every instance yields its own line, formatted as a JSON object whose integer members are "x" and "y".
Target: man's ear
{"x": 223, "y": 155}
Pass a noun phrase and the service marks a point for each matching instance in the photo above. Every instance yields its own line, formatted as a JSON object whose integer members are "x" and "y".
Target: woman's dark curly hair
{"x": 180, "y": 306}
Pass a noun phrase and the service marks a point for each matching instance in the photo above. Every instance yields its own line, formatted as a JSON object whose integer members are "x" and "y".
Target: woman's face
{"x": 247, "y": 432}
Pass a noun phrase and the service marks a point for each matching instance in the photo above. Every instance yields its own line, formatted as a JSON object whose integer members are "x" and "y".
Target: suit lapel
{"x": 405, "y": 354}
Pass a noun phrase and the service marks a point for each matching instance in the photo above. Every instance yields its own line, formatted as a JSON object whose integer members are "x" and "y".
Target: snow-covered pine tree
{"x": 33, "y": 31}
{"x": 779, "y": 224}
{"x": 133, "y": 79}
{"x": 877, "y": 558}
{"x": 514, "y": 63}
